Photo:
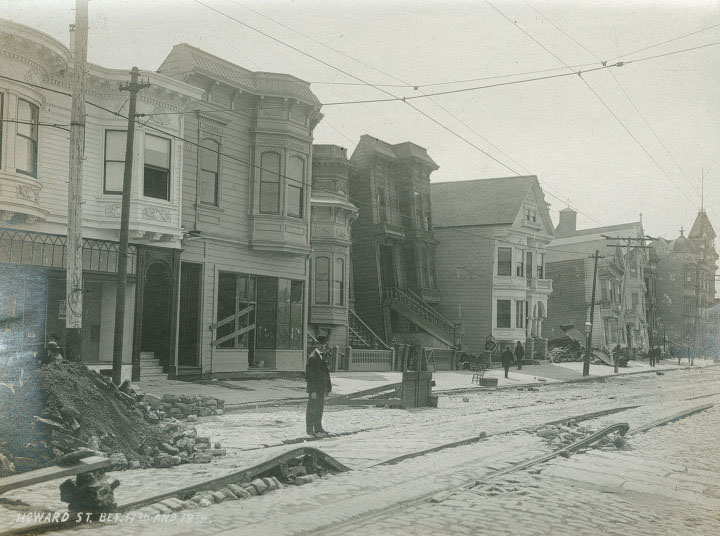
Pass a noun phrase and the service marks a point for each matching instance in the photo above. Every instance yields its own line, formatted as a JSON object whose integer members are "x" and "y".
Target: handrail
{"x": 419, "y": 306}
{"x": 355, "y": 319}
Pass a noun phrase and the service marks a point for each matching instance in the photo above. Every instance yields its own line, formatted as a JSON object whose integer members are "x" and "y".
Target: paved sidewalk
{"x": 238, "y": 394}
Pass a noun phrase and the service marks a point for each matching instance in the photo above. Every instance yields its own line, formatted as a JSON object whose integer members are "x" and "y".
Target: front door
{"x": 190, "y": 302}
{"x": 387, "y": 268}
{"x": 156, "y": 312}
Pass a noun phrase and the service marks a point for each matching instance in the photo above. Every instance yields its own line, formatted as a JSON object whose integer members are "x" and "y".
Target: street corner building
{"x": 246, "y": 202}
{"x": 492, "y": 238}
{"x": 36, "y": 74}
{"x": 624, "y": 275}
{"x": 684, "y": 315}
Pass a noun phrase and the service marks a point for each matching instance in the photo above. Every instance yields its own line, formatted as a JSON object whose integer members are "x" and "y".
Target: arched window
{"x": 270, "y": 183}
{"x": 295, "y": 185}
{"x": 209, "y": 159}
{"x": 322, "y": 280}
{"x": 339, "y": 290}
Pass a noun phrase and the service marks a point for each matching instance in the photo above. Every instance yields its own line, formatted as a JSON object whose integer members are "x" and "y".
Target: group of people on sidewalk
{"x": 509, "y": 357}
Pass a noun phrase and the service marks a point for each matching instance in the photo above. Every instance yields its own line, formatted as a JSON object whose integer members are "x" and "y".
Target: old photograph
{"x": 371, "y": 267}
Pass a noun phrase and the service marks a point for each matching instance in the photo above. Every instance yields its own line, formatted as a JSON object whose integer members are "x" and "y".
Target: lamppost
{"x": 588, "y": 346}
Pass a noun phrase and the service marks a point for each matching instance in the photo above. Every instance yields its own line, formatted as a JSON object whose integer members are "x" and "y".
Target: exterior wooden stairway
{"x": 361, "y": 336}
{"x": 417, "y": 311}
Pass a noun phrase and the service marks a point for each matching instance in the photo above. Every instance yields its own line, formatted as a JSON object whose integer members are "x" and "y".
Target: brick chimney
{"x": 568, "y": 222}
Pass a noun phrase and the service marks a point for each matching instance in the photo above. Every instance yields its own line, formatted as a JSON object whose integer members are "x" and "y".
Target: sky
{"x": 611, "y": 143}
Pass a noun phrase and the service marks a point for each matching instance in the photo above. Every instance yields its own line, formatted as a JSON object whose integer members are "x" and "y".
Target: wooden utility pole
{"x": 133, "y": 87}
{"x": 588, "y": 347}
{"x": 73, "y": 256}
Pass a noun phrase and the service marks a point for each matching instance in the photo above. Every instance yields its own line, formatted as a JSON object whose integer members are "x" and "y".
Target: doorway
{"x": 157, "y": 294}
{"x": 190, "y": 302}
{"x": 387, "y": 268}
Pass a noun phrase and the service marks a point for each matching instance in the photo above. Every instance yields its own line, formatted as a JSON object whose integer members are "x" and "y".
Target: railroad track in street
{"x": 442, "y": 495}
{"x": 270, "y": 465}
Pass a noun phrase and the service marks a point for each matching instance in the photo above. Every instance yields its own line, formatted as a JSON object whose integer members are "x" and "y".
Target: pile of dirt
{"x": 62, "y": 407}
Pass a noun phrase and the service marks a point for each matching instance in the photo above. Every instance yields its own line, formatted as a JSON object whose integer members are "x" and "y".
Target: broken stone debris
{"x": 64, "y": 408}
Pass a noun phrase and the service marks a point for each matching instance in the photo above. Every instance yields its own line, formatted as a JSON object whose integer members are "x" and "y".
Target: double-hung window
{"x": 504, "y": 266}
{"x": 322, "y": 280}
{"x": 27, "y": 138}
{"x": 503, "y": 313}
{"x": 520, "y": 314}
{"x": 339, "y": 289}
{"x": 270, "y": 183}
{"x": 115, "y": 141}
{"x": 294, "y": 190}
{"x": 156, "y": 173}
{"x": 209, "y": 171}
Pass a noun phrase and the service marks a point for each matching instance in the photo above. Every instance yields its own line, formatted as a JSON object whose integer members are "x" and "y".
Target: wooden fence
{"x": 360, "y": 359}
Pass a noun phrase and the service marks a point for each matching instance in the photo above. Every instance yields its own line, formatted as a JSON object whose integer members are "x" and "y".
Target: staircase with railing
{"x": 420, "y": 313}
{"x": 361, "y": 336}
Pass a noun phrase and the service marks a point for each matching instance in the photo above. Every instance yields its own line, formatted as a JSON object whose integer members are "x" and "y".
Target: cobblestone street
{"x": 378, "y": 434}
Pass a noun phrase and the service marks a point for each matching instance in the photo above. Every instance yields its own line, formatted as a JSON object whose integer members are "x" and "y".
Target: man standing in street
{"x": 317, "y": 376}
{"x": 519, "y": 354}
{"x": 507, "y": 359}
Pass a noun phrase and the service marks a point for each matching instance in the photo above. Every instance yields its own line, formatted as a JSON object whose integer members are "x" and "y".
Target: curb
{"x": 234, "y": 408}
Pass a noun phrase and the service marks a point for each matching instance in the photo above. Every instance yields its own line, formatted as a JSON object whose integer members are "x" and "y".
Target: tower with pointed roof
{"x": 685, "y": 289}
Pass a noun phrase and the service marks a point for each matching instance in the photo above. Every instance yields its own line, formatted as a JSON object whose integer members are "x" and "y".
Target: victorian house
{"x": 685, "y": 277}
{"x": 243, "y": 302}
{"x": 393, "y": 246}
{"x": 492, "y": 236}
{"x": 35, "y": 77}
{"x": 332, "y": 215}
{"x": 621, "y": 294}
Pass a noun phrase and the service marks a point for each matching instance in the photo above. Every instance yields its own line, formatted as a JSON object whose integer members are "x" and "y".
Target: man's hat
{"x": 322, "y": 339}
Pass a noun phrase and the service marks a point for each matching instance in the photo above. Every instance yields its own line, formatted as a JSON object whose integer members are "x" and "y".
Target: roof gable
{"x": 484, "y": 201}
{"x": 702, "y": 226}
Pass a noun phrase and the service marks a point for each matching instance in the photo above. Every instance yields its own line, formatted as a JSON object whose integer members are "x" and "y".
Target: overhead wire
{"x": 524, "y": 73}
{"x": 599, "y": 98}
{"x": 445, "y": 127}
{"x": 406, "y": 84}
{"x": 615, "y": 78}
{"x": 327, "y": 64}
{"x": 310, "y": 187}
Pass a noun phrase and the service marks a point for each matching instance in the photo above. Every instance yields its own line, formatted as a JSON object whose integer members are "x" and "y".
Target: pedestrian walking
{"x": 317, "y": 376}
{"x": 654, "y": 354}
{"x": 519, "y": 354}
{"x": 507, "y": 359}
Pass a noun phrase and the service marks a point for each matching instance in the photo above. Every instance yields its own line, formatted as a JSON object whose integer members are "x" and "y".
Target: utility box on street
{"x": 417, "y": 389}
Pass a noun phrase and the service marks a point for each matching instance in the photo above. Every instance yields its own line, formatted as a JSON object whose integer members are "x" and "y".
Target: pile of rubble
{"x": 58, "y": 409}
{"x": 564, "y": 434}
{"x": 189, "y": 407}
{"x": 296, "y": 472}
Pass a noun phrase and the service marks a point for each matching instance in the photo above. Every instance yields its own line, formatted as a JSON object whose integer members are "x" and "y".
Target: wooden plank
{"x": 232, "y": 317}
{"x": 366, "y": 392}
{"x": 53, "y": 472}
{"x": 234, "y": 334}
